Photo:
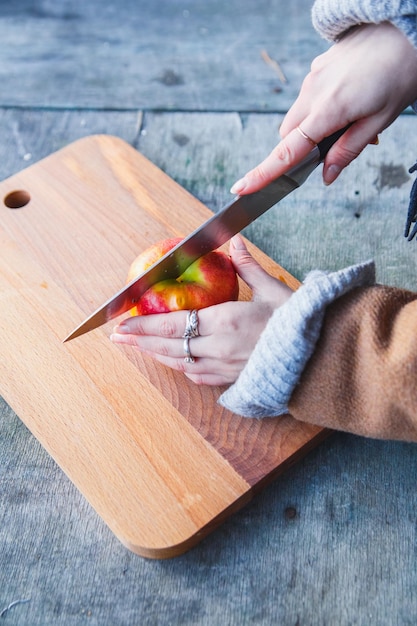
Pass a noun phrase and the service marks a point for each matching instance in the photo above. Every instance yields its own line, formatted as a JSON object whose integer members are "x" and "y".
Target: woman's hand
{"x": 227, "y": 332}
{"x": 366, "y": 79}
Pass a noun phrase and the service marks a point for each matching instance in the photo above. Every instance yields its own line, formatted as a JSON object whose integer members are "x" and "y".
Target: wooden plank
{"x": 93, "y": 404}
{"x": 126, "y": 54}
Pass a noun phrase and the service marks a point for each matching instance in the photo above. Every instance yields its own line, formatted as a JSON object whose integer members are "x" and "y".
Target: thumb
{"x": 264, "y": 286}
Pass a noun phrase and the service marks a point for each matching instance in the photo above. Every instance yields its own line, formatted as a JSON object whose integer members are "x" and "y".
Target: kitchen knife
{"x": 212, "y": 234}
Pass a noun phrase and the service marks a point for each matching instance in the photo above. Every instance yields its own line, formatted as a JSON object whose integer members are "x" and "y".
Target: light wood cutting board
{"x": 160, "y": 461}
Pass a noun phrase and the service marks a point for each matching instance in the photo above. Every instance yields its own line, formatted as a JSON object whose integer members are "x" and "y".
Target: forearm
{"x": 342, "y": 354}
{"x": 279, "y": 358}
{"x": 363, "y": 374}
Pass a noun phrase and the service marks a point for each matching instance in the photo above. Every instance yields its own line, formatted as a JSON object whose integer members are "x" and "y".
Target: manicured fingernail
{"x": 238, "y": 243}
{"x": 331, "y": 173}
{"x": 121, "y": 328}
{"x": 117, "y": 337}
{"x": 238, "y": 186}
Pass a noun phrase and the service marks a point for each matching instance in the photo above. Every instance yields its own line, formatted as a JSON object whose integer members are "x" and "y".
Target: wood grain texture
{"x": 341, "y": 518}
{"x": 155, "y": 455}
{"x": 124, "y": 54}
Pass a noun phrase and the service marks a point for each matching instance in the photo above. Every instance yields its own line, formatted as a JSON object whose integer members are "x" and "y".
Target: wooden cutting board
{"x": 159, "y": 460}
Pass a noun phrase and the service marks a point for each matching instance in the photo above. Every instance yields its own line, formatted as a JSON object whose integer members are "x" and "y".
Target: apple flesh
{"x": 209, "y": 280}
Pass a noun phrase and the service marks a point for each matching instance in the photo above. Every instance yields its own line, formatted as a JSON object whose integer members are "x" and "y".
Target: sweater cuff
{"x": 331, "y": 19}
{"x": 274, "y": 368}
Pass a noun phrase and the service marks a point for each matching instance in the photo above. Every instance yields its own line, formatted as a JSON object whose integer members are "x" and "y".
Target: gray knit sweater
{"x": 331, "y": 18}
{"x": 274, "y": 368}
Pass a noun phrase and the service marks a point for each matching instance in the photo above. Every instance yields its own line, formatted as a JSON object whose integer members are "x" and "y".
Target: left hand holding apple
{"x": 228, "y": 332}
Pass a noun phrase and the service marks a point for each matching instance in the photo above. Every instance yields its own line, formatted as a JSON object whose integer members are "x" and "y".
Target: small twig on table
{"x": 12, "y": 604}
{"x": 275, "y": 65}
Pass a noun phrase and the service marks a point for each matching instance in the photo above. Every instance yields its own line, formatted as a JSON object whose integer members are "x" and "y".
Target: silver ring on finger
{"x": 186, "y": 347}
{"x": 191, "y": 326}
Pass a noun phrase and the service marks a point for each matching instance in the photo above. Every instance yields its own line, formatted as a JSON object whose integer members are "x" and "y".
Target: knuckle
{"x": 162, "y": 349}
{"x": 317, "y": 63}
{"x": 175, "y": 364}
{"x": 245, "y": 258}
{"x": 228, "y": 323}
{"x": 197, "y": 379}
{"x": 343, "y": 155}
{"x": 180, "y": 367}
{"x": 260, "y": 174}
{"x": 135, "y": 325}
{"x": 223, "y": 352}
{"x": 283, "y": 152}
{"x": 167, "y": 328}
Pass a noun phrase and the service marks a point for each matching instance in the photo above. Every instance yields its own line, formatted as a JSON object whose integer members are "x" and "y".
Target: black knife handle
{"x": 325, "y": 145}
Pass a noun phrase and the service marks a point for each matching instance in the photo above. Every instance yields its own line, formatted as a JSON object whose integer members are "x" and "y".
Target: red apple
{"x": 209, "y": 280}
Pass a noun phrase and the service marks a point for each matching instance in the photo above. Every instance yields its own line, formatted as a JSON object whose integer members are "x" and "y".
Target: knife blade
{"x": 212, "y": 234}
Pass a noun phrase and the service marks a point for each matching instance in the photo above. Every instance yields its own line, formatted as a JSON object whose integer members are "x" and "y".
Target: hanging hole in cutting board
{"x": 17, "y": 199}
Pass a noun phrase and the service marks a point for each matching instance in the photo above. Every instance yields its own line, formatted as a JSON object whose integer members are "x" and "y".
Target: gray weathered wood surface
{"x": 192, "y": 55}
{"x": 333, "y": 541}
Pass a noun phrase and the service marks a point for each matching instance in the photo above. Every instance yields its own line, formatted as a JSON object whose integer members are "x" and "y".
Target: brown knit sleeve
{"x": 362, "y": 377}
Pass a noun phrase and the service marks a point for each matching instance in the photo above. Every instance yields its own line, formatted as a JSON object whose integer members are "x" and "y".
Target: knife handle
{"x": 325, "y": 145}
